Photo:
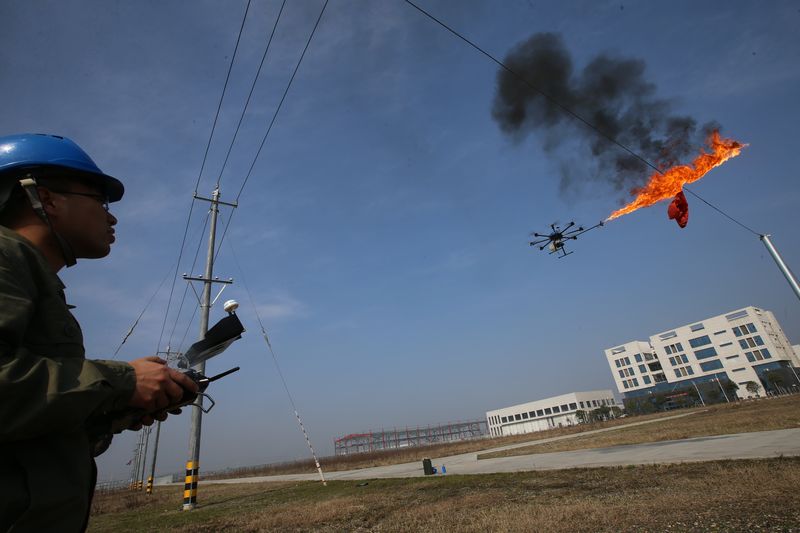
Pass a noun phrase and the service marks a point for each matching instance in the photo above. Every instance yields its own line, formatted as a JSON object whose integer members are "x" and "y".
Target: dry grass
{"x": 721, "y": 419}
{"x": 715, "y": 496}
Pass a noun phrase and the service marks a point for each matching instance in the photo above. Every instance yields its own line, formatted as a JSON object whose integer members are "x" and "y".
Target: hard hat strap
{"x": 29, "y": 186}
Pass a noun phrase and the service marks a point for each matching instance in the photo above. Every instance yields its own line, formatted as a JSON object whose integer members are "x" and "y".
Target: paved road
{"x": 760, "y": 444}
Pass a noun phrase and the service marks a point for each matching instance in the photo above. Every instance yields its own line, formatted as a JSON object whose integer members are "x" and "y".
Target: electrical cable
{"x": 277, "y": 366}
{"x": 272, "y": 122}
{"x": 138, "y": 318}
{"x": 280, "y": 104}
{"x": 250, "y": 94}
{"x": 199, "y": 176}
{"x": 552, "y": 100}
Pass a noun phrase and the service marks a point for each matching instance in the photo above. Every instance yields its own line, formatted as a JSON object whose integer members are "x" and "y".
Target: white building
{"x": 545, "y": 414}
{"x": 740, "y": 346}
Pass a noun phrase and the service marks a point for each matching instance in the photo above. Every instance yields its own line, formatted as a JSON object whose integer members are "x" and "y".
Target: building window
{"x": 689, "y": 370}
{"x": 573, "y": 406}
{"x": 548, "y": 411}
{"x": 615, "y": 351}
{"x": 739, "y": 314}
{"x": 705, "y": 353}
{"x": 716, "y": 364}
{"x": 684, "y": 358}
{"x": 635, "y": 382}
{"x": 665, "y": 336}
{"x": 642, "y": 369}
{"x": 679, "y": 346}
{"x": 627, "y": 361}
{"x": 617, "y": 362}
{"x": 719, "y": 332}
{"x": 524, "y": 416}
{"x": 725, "y": 344}
{"x": 532, "y": 414}
{"x": 621, "y": 374}
{"x": 564, "y": 407}
{"x": 505, "y": 420}
{"x": 758, "y": 340}
{"x": 517, "y": 417}
{"x": 556, "y": 409}
{"x": 539, "y": 412}
{"x": 581, "y": 404}
{"x": 646, "y": 379}
{"x": 699, "y": 341}
{"x": 697, "y": 327}
{"x": 625, "y": 384}
{"x": 752, "y": 328}
{"x": 638, "y": 357}
{"x": 677, "y": 372}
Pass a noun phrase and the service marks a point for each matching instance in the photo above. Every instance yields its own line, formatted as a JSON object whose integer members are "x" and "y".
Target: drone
{"x": 555, "y": 240}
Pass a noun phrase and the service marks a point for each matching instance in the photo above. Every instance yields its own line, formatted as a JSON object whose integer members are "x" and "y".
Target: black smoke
{"x": 611, "y": 93}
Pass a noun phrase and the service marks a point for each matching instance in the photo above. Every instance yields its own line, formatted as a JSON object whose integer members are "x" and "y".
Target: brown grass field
{"x": 746, "y": 495}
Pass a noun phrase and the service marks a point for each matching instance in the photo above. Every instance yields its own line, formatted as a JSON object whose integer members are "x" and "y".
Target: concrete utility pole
{"x": 784, "y": 268}
{"x": 192, "y": 465}
{"x": 149, "y": 489}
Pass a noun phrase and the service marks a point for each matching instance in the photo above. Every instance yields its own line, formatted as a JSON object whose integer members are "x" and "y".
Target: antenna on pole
{"x": 193, "y": 464}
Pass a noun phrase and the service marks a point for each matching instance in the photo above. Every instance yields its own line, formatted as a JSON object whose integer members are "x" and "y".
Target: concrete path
{"x": 762, "y": 444}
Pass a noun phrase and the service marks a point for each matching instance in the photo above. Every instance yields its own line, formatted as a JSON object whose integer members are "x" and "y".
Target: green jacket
{"x": 48, "y": 394}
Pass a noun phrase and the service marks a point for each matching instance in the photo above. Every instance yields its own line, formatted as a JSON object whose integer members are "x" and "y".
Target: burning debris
{"x": 670, "y": 182}
{"x": 611, "y": 112}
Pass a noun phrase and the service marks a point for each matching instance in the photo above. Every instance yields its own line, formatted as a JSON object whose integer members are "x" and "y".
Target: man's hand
{"x": 157, "y": 385}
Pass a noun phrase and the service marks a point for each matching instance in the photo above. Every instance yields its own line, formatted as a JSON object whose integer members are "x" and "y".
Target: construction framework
{"x": 409, "y": 437}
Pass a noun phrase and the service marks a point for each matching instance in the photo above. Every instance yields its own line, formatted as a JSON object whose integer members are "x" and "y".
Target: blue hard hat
{"x": 38, "y": 150}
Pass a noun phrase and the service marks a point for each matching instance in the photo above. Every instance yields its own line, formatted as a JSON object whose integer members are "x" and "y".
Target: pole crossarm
{"x": 216, "y": 201}
{"x": 208, "y": 280}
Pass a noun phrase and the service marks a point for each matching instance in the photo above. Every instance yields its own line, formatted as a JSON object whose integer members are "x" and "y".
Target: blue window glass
{"x": 750, "y": 357}
{"x": 743, "y": 343}
{"x": 689, "y": 370}
{"x": 705, "y": 353}
{"x": 737, "y": 332}
{"x": 751, "y": 327}
{"x": 621, "y": 374}
{"x": 617, "y": 361}
{"x": 668, "y": 349}
{"x": 646, "y": 379}
{"x": 627, "y": 361}
{"x": 635, "y": 382}
{"x": 765, "y": 353}
{"x": 684, "y": 358}
{"x": 625, "y": 383}
{"x": 716, "y": 364}
{"x": 638, "y": 357}
{"x": 758, "y": 340}
{"x": 642, "y": 369}
{"x": 679, "y": 347}
{"x": 699, "y": 341}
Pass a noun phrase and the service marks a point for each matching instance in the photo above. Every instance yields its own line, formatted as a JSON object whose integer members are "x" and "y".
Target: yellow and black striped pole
{"x": 149, "y": 485}
{"x": 190, "y": 485}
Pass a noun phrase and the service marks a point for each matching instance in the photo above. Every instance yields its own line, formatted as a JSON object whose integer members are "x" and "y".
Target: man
{"x": 53, "y": 211}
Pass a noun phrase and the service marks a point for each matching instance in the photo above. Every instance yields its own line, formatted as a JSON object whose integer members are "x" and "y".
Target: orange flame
{"x": 665, "y": 185}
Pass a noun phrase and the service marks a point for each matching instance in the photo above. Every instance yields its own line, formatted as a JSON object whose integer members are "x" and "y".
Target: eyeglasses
{"x": 100, "y": 198}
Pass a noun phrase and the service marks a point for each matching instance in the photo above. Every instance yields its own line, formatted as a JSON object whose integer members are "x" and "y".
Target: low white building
{"x": 746, "y": 345}
{"x": 540, "y": 415}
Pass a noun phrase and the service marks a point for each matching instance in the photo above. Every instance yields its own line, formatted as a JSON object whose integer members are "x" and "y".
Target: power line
{"x": 280, "y": 104}
{"x": 250, "y": 94}
{"x": 552, "y": 100}
{"x": 199, "y": 175}
{"x": 272, "y": 123}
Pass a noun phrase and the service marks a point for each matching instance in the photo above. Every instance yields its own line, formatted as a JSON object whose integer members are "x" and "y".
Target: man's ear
{"x": 50, "y": 203}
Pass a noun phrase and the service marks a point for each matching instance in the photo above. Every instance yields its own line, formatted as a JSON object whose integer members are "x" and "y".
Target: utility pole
{"x": 146, "y": 436}
{"x": 784, "y": 268}
{"x": 149, "y": 489}
{"x": 193, "y": 464}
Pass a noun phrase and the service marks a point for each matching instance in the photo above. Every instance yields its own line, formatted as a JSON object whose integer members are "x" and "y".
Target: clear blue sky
{"x": 384, "y": 230}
